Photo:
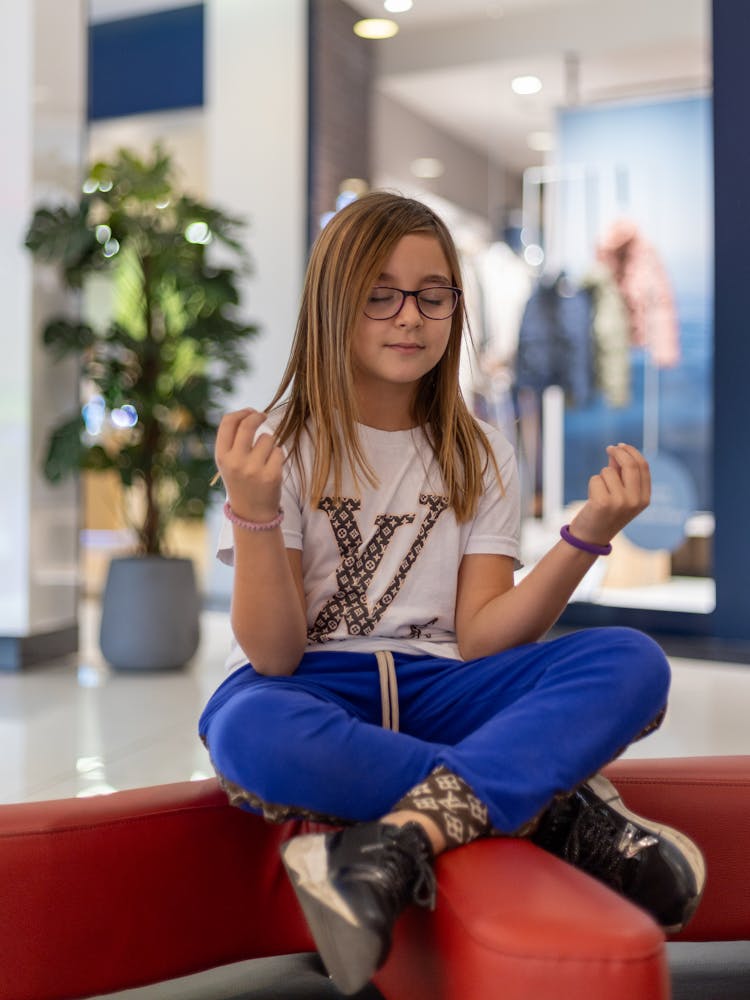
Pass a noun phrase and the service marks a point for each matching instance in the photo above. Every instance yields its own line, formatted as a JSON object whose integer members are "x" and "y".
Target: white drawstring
{"x": 388, "y": 689}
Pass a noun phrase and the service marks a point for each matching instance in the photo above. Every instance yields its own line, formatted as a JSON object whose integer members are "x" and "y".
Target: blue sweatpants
{"x": 519, "y": 727}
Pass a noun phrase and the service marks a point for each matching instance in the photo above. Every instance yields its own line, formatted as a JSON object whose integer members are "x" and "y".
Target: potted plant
{"x": 154, "y": 374}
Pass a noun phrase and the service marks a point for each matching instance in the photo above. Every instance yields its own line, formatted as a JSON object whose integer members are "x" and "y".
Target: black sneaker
{"x": 352, "y": 885}
{"x": 652, "y": 865}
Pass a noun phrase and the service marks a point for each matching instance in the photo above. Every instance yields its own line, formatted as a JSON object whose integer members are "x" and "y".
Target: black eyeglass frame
{"x": 458, "y": 292}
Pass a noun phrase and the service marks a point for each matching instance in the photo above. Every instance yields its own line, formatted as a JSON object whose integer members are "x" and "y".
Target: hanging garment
{"x": 645, "y": 286}
{"x": 554, "y": 344}
{"x": 506, "y": 284}
{"x": 610, "y": 331}
{"x": 469, "y": 375}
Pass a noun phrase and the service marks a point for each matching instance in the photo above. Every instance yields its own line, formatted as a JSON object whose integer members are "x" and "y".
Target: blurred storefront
{"x": 277, "y": 111}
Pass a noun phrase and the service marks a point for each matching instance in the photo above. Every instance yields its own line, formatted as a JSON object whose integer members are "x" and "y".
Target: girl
{"x": 387, "y": 674}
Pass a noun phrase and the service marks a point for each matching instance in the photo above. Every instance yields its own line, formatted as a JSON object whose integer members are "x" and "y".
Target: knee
{"x": 240, "y": 727}
{"x": 642, "y": 667}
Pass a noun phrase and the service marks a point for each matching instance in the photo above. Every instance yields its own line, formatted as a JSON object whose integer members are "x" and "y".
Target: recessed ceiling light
{"x": 376, "y": 27}
{"x": 358, "y": 185}
{"x": 526, "y": 84}
{"x": 427, "y": 167}
{"x": 398, "y": 6}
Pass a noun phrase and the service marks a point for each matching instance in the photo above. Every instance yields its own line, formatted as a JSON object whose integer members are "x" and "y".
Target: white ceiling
{"x": 443, "y": 11}
{"x": 453, "y": 60}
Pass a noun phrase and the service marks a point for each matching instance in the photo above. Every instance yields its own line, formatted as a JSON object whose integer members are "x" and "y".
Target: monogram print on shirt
{"x": 419, "y": 631}
{"x": 359, "y": 564}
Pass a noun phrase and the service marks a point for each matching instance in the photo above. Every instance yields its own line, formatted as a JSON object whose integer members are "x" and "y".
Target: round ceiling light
{"x": 375, "y": 27}
{"x": 526, "y": 85}
{"x": 398, "y": 6}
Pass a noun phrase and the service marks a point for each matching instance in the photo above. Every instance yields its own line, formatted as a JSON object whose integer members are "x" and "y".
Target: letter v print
{"x": 359, "y": 564}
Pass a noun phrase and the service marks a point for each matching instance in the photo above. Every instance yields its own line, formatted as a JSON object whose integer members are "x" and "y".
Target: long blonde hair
{"x": 344, "y": 263}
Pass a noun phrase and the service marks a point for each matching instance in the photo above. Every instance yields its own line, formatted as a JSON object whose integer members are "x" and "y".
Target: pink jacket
{"x": 646, "y": 289}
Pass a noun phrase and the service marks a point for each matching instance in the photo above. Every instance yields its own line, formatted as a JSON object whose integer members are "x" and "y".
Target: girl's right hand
{"x": 251, "y": 472}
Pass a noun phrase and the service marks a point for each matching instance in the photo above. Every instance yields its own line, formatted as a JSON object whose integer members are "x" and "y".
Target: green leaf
{"x": 64, "y": 337}
{"x": 65, "y": 450}
{"x": 130, "y": 303}
{"x": 63, "y": 236}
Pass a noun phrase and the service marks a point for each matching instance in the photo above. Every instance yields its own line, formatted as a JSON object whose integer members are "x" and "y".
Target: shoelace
{"x": 425, "y": 886}
{"x": 403, "y": 869}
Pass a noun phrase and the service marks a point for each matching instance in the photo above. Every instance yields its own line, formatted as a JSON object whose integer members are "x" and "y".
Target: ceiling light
{"x": 526, "y": 84}
{"x": 375, "y": 27}
{"x": 356, "y": 184}
{"x": 427, "y": 167}
{"x": 540, "y": 142}
{"x": 398, "y": 6}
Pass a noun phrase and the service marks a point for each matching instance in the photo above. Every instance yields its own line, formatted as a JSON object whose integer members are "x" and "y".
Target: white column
{"x": 256, "y": 137}
{"x": 42, "y": 94}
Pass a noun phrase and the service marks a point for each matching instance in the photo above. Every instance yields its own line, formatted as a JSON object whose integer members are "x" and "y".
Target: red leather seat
{"x": 102, "y": 894}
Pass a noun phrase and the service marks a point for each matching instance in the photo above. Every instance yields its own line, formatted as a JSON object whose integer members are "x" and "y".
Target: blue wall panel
{"x": 732, "y": 347}
{"x": 149, "y": 63}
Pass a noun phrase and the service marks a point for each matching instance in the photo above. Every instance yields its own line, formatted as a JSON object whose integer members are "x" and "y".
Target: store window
{"x": 627, "y": 230}
{"x": 569, "y": 145}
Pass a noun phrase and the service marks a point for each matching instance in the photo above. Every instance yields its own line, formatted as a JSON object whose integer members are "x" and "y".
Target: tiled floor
{"x": 75, "y": 727}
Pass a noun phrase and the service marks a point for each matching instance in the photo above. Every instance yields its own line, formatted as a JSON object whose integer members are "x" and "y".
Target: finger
{"x": 645, "y": 470}
{"x": 612, "y": 480}
{"x": 263, "y": 447}
{"x": 630, "y": 466}
{"x": 244, "y": 438}
{"x": 233, "y": 418}
{"x": 228, "y": 428}
{"x": 646, "y": 483}
{"x": 599, "y": 491}
{"x": 627, "y": 452}
{"x": 631, "y": 450}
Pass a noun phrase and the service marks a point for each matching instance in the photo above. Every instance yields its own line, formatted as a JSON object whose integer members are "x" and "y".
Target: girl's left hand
{"x": 616, "y": 495}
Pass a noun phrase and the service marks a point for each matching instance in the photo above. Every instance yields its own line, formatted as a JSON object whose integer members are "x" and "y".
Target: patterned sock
{"x": 451, "y": 805}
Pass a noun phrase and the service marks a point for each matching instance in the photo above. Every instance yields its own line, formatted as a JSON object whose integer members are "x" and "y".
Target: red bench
{"x": 102, "y": 894}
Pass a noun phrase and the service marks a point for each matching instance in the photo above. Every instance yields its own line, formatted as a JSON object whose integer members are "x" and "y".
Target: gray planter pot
{"x": 150, "y": 613}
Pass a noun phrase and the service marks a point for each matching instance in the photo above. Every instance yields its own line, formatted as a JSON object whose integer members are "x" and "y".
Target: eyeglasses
{"x": 433, "y": 303}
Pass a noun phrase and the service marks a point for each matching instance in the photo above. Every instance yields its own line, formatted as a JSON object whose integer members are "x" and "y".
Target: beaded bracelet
{"x": 578, "y": 543}
{"x": 252, "y": 525}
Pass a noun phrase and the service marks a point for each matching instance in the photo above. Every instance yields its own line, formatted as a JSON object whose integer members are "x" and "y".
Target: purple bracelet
{"x": 578, "y": 543}
{"x": 252, "y": 525}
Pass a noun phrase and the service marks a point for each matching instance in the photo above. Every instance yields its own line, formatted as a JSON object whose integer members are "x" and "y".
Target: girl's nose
{"x": 409, "y": 314}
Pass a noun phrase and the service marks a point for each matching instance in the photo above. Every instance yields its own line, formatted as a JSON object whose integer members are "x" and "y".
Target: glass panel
{"x": 568, "y": 144}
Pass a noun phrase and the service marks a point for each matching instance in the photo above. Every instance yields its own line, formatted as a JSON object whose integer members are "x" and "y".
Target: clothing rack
{"x": 541, "y": 206}
{"x": 567, "y": 233}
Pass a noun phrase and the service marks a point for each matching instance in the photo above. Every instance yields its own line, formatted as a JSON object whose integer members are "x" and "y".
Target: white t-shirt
{"x": 380, "y": 571}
